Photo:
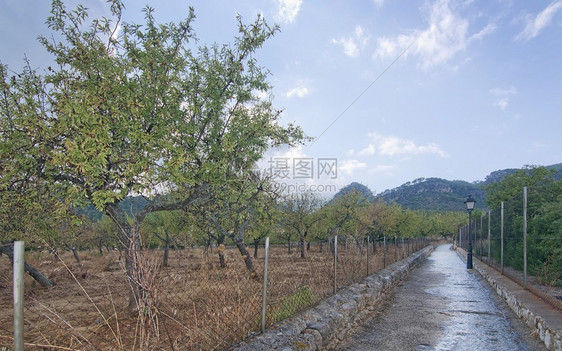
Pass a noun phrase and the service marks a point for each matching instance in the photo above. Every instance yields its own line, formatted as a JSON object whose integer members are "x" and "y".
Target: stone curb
{"x": 321, "y": 326}
{"x": 518, "y": 300}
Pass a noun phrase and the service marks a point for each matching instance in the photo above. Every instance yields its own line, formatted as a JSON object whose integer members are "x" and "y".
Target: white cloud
{"x": 382, "y": 169}
{"x": 288, "y": 10}
{"x": 503, "y": 96}
{"x": 538, "y": 23}
{"x": 352, "y": 44}
{"x": 299, "y": 91}
{"x": 539, "y": 146}
{"x": 367, "y": 151}
{"x": 500, "y": 91}
{"x": 502, "y": 103}
{"x": 392, "y": 146}
{"x": 446, "y": 35}
{"x": 489, "y": 29}
{"x": 349, "y": 166}
{"x": 378, "y": 3}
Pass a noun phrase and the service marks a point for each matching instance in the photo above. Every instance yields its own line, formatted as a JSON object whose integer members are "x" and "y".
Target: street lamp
{"x": 470, "y": 202}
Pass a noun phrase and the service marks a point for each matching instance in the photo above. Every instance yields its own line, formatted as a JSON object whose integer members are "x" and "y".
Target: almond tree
{"x": 134, "y": 109}
{"x": 300, "y": 215}
{"x": 245, "y": 201}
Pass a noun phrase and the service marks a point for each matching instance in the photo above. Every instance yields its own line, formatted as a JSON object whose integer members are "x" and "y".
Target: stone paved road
{"x": 443, "y": 306}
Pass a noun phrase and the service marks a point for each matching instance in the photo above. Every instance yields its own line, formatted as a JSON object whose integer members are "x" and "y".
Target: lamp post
{"x": 470, "y": 202}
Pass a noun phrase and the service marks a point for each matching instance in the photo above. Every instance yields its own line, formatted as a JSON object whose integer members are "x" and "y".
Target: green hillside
{"x": 434, "y": 194}
{"x": 446, "y": 195}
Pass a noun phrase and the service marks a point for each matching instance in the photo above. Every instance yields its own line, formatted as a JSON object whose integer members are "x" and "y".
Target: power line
{"x": 362, "y": 93}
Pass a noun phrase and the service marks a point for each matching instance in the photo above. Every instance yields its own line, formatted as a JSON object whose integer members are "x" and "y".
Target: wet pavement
{"x": 443, "y": 306}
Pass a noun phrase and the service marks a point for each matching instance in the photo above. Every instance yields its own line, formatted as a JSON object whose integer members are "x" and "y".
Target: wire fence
{"x": 522, "y": 238}
{"x": 190, "y": 304}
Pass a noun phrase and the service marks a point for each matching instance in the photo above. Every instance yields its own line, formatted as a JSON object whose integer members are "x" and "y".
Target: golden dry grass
{"x": 194, "y": 304}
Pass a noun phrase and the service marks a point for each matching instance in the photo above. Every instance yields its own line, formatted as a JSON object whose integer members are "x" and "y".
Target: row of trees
{"x": 298, "y": 217}
{"x": 303, "y": 217}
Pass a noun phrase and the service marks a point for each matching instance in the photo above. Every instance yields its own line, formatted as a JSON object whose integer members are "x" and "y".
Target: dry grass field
{"x": 193, "y": 303}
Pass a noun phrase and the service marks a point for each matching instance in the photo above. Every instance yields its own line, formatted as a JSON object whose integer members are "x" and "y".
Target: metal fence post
{"x": 335, "y": 264}
{"x": 368, "y": 248}
{"x": 525, "y": 237}
{"x": 489, "y": 237}
{"x": 384, "y": 253}
{"x": 501, "y": 245}
{"x": 18, "y": 294}
{"x": 265, "y": 270}
{"x": 481, "y": 236}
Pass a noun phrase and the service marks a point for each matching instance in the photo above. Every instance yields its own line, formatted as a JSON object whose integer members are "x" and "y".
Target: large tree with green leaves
{"x": 136, "y": 109}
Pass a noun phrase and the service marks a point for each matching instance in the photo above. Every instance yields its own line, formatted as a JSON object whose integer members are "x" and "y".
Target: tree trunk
{"x": 40, "y": 278}
{"x": 167, "y": 248}
{"x": 302, "y": 247}
{"x": 222, "y": 259}
{"x": 246, "y": 257}
{"x": 35, "y": 274}
{"x": 220, "y": 250}
{"x": 359, "y": 243}
{"x": 256, "y": 246}
{"x": 332, "y": 244}
{"x": 75, "y": 253}
{"x": 129, "y": 244}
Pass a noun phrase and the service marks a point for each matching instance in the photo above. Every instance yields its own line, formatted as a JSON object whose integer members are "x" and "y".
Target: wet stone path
{"x": 443, "y": 306}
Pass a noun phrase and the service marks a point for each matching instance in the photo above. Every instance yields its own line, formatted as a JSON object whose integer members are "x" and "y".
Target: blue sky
{"x": 394, "y": 89}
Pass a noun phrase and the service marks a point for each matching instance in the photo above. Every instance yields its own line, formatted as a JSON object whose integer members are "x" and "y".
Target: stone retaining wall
{"x": 321, "y": 326}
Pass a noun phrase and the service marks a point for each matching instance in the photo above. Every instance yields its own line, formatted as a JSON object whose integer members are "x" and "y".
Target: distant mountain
{"x": 496, "y": 176}
{"x": 355, "y": 187}
{"x": 434, "y": 194}
{"x": 446, "y": 195}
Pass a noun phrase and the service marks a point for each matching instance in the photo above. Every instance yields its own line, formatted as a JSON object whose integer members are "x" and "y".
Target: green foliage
{"x": 544, "y": 216}
{"x": 512, "y": 184}
{"x": 161, "y": 228}
{"x": 355, "y": 215}
{"x": 134, "y": 109}
{"x": 299, "y": 214}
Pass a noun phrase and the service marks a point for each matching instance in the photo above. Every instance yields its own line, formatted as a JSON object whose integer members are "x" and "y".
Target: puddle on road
{"x": 474, "y": 321}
